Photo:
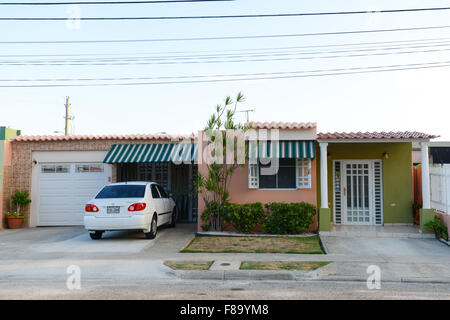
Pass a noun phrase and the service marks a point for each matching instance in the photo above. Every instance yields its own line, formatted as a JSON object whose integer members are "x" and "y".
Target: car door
{"x": 158, "y": 203}
{"x": 166, "y": 204}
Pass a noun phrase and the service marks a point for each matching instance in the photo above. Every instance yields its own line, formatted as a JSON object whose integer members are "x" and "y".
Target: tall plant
{"x": 213, "y": 186}
{"x": 20, "y": 199}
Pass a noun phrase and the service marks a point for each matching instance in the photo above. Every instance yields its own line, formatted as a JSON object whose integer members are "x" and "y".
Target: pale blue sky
{"x": 403, "y": 100}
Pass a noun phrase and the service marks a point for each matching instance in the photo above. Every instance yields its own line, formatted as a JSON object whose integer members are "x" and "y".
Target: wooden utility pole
{"x": 67, "y": 117}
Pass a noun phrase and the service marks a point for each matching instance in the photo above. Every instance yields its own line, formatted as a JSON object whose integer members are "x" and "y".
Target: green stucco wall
{"x": 397, "y": 175}
{"x": 8, "y": 133}
{"x": 5, "y": 134}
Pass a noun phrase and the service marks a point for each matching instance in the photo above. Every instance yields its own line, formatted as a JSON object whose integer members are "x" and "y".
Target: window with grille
{"x": 292, "y": 174}
{"x": 304, "y": 174}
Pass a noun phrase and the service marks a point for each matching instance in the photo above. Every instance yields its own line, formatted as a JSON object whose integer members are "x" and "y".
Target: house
{"x": 366, "y": 178}
{"x": 63, "y": 173}
{"x": 295, "y": 180}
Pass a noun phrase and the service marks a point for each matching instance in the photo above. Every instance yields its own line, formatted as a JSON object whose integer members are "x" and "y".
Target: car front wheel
{"x": 151, "y": 234}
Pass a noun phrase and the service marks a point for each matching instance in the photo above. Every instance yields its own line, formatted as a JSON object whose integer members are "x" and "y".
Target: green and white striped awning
{"x": 281, "y": 149}
{"x": 134, "y": 153}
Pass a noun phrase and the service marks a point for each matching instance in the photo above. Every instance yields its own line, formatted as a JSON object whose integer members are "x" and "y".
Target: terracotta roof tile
{"x": 37, "y": 138}
{"x": 375, "y": 135}
{"x": 283, "y": 125}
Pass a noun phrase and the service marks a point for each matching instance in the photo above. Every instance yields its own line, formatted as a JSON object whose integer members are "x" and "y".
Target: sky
{"x": 408, "y": 100}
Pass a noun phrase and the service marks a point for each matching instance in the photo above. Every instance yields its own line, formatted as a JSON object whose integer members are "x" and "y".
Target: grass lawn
{"x": 282, "y": 265}
{"x": 299, "y": 245}
{"x": 189, "y": 265}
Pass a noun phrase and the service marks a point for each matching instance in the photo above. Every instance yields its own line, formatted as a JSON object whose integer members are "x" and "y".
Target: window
{"x": 162, "y": 192}
{"x": 283, "y": 179}
{"x": 155, "y": 193}
{"x": 55, "y": 168}
{"x": 291, "y": 174}
{"x": 81, "y": 168}
{"x": 303, "y": 173}
{"x": 122, "y": 191}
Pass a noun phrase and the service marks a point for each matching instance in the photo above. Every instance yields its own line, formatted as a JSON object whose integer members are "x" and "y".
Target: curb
{"x": 246, "y": 275}
{"x": 296, "y": 275}
{"x": 235, "y": 234}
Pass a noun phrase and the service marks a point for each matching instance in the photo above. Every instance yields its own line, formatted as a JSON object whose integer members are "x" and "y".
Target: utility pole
{"x": 67, "y": 117}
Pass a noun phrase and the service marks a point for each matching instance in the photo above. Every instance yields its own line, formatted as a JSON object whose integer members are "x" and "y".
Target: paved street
{"x": 33, "y": 264}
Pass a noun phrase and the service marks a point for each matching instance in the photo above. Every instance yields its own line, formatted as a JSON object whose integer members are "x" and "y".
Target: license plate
{"x": 113, "y": 209}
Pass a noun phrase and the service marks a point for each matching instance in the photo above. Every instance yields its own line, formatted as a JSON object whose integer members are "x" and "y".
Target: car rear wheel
{"x": 97, "y": 235}
{"x": 151, "y": 234}
{"x": 173, "y": 219}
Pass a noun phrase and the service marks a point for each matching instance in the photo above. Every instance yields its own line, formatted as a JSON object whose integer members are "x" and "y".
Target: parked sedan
{"x": 130, "y": 206}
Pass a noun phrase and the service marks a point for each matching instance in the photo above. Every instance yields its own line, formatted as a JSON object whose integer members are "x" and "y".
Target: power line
{"x": 294, "y": 35}
{"x": 370, "y": 44}
{"x": 275, "y": 15}
{"x": 230, "y": 56}
{"x": 101, "y": 2}
{"x": 143, "y": 62}
{"x": 251, "y": 76}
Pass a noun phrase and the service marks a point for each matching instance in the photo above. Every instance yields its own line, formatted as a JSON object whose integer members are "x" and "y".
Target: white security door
{"x": 358, "y": 189}
{"x": 64, "y": 189}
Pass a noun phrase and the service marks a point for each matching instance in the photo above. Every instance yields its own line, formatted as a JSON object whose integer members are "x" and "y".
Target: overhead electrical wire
{"x": 271, "y": 15}
{"x": 235, "y": 55}
{"x": 292, "y": 35}
{"x": 102, "y": 2}
{"x": 200, "y": 61}
{"x": 250, "y": 76}
{"x": 352, "y": 44}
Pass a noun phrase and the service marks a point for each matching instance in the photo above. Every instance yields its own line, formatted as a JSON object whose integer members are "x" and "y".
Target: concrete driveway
{"x": 399, "y": 259}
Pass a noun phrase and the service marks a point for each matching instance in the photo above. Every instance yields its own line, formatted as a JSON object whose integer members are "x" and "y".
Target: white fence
{"x": 440, "y": 187}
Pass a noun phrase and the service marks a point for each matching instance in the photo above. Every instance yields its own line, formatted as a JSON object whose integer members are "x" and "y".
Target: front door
{"x": 357, "y": 179}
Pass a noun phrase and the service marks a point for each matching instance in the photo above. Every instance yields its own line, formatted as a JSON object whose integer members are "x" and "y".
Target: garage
{"x": 64, "y": 189}
{"x": 62, "y": 183}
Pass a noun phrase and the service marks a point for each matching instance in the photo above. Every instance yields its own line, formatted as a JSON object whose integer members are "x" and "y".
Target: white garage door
{"x": 64, "y": 189}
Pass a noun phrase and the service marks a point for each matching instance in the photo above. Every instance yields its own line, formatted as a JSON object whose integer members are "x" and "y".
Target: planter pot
{"x": 15, "y": 222}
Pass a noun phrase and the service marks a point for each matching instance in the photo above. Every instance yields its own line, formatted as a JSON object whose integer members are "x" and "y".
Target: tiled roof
{"x": 104, "y": 137}
{"x": 283, "y": 125}
{"x": 375, "y": 135}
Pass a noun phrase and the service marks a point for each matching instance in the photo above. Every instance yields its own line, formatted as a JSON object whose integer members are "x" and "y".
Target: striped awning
{"x": 281, "y": 149}
{"x": 134, "y": 153}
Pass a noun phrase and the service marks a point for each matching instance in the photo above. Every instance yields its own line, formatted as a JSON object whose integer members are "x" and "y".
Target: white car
{"x": 129, "y": 206}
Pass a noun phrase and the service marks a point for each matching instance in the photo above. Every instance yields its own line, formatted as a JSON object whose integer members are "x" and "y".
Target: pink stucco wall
{"x": 240, "y": 193}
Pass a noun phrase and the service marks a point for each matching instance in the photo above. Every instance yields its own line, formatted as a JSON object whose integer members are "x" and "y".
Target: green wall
{"x": 5, "y": 134}
{"x": 397, "y": 175}
{"x": 8, "y": 133}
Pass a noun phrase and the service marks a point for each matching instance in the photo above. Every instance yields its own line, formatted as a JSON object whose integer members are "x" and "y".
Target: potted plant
{"x": 416, "y": 212}
{"x": 19, "y": 199}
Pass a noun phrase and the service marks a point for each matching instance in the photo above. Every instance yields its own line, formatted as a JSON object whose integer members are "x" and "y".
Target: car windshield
{"x": 122, "y": 191}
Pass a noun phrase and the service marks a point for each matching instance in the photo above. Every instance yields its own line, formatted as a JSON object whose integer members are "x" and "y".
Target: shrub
{"x": 438, "y": 227}
{"x": 288, "y": 218}
{"x": 244, "y": 217}
{"x": 210, "y": 216}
